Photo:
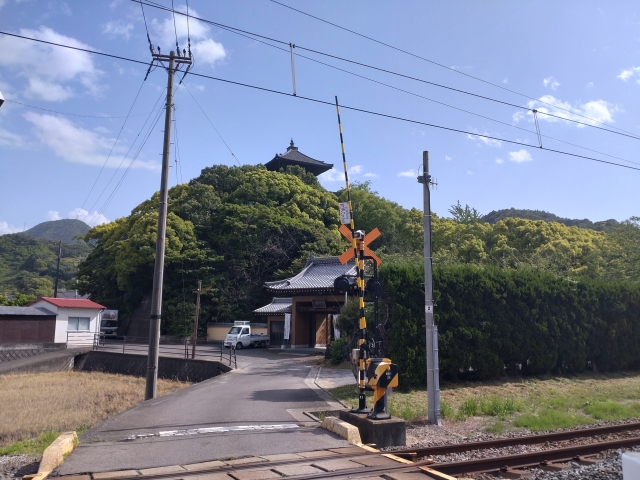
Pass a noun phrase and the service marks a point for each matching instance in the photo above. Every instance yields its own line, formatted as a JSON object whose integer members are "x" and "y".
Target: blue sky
{"x": 580, "y": 56}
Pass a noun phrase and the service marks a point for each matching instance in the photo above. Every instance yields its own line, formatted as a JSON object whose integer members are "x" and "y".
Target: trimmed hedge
{"x": 494, "y": 321}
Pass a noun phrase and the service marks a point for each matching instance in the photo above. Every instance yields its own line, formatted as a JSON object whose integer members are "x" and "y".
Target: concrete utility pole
{"x": 433, "y": 371}
{"x": 158, "y": 269}
{"x": 55, "y": 288}
{"x": 195, "y": 323}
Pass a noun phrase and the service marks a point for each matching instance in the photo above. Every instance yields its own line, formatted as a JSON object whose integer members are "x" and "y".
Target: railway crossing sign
{"x": 368, "y": 238}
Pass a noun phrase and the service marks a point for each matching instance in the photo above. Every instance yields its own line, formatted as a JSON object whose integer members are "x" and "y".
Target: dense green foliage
{"x": 493, "y": 321}
{"x": 28, "y": 265}
{"x": 233, "y": 228}
{"x": 17, "y": 301}
{"x": 67, "y": 230}
{"x": 496, "y": 215}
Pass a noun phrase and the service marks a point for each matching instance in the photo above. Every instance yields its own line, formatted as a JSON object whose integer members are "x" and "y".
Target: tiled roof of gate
{"x": 278, "y": 306}
{"x": 317, "y": 276}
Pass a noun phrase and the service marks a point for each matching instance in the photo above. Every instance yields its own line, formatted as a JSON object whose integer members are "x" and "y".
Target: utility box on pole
{"x": 433, "y": 371}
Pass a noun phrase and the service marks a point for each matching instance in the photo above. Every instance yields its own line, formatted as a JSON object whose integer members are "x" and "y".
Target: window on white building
{"x": 78, "y": 324}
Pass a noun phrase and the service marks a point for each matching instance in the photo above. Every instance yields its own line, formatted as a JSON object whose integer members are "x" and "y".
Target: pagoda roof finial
{"x": 292, "y": 146}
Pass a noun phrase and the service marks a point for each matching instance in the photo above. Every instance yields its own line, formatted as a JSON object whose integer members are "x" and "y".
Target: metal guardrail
{"x": 80, "y": 339}
{"x": 181, "y": 348}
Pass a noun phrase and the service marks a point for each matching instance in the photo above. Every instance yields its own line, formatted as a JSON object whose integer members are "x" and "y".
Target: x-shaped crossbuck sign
{"x": 368, "y": 238}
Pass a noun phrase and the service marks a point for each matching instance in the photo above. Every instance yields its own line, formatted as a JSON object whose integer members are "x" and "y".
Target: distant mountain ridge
{"x": 57, "y": 230}
{"x": 496, "y": 215}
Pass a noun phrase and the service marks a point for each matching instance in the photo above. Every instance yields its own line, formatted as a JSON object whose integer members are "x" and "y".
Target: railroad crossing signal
{"x": 368, "y": 238}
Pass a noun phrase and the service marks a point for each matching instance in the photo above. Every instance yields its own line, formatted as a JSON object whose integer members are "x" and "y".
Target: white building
{"x": 77, "y": 321}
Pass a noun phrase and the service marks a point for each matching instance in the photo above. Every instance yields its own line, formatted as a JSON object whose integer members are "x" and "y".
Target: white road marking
{"x": 199, "y": 431}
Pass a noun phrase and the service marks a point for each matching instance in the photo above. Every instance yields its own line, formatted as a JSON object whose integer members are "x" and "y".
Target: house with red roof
{"x": 77, "y": 319}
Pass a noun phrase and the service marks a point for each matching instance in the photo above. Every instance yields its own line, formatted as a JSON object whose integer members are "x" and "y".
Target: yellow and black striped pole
{"x": 359, "y": 261}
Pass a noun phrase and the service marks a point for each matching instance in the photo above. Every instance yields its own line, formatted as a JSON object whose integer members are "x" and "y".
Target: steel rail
{"x": 532, "y": 459}
{"x": 524, "y": 440}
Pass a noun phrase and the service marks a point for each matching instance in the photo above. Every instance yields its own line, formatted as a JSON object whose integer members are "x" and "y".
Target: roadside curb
{"x": 347, "y": 431}
{"x": 54, "y": 455}
{"x": 315, "y": 382}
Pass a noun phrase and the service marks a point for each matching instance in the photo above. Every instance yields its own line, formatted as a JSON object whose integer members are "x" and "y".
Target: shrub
{"x": 337, "y": 347}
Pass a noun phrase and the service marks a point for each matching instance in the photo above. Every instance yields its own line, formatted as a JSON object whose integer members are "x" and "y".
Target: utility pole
{"x": 158, "y": 269}
{"x": 195, "y": 323}
{"x": 55, "y": 288}
{"x": 433, "y": 371}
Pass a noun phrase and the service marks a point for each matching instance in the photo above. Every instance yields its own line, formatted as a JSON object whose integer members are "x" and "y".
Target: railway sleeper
{"x": 506, "y": 472}
{"x": 554, "y": 466}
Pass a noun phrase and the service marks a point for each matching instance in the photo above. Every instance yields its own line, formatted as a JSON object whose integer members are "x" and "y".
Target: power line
{"x": 112, "y": 147}
{"x": 436, "y": 63}
{"x": 391, "y": 72}
{"x": 343, "y": 106}
{"x": 128, "y": 151}
{"x": 73, "y": 114}
{"x": 214, "y": 127}
{"x": 394, "y": 117}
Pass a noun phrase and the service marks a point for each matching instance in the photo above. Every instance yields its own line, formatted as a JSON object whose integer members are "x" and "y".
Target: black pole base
{"x": 379, "y": 416}
{"x": 362, "y": 403}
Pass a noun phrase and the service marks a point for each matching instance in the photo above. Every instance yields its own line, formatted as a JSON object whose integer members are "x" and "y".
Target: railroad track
{"x": 509, "y": 465}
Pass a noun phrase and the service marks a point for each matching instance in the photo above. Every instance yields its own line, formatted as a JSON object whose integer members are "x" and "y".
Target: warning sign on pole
{"x": 345, "y": 216}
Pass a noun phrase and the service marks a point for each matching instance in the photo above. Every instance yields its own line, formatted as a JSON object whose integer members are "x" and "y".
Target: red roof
{"x": 70, "y": 302}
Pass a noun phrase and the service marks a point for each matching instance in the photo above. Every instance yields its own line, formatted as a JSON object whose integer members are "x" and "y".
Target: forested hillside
{"x": 496, "y": 215}
{"x": 28, "y": 265}
{"x": 66, "y": 230}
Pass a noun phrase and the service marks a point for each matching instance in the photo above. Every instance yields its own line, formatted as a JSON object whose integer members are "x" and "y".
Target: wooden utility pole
{"x": 195, "y": 323}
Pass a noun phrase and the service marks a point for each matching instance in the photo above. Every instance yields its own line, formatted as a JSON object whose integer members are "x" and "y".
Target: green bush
{"x": 495, "y": 321}
{"x": 337, "y": 347}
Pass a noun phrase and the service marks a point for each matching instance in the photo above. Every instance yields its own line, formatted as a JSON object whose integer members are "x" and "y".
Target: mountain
{"x": 57, "y": 230}
{"x": 28, "y": 265}
{"x": 496, "y": 215}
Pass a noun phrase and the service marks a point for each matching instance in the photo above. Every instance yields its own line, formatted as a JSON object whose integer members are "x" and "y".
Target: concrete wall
{"x": 136, "y": 365}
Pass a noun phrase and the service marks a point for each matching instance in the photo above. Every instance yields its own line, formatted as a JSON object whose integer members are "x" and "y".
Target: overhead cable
{"x": 436, "y": 63}
{"x": 106, "y": 117}
{"x": 346, "y": 107}
{"x": 409, "y": 77}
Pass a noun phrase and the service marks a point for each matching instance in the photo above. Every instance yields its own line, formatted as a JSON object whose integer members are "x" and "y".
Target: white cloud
{"x": 335, "y": 175}
{"x": 487, "y": 141}
{"x": 2, "y": 2}
{"x": 47, "y": 69}
{"x": 6, "y": 228}
{"x": 469, "y": 172}
{"x": 590, "y": 85}
{"x": 8, "y": 139}
{"x": 371, "y": 175}
{"x": 78, "y": 145}
{"x": 92, "y": 219}
{"x": 506, "y": 80}
{"x": 499, "y": 161}
{"x": 550, "y": 82}
{"x": 447, "y": 158}
{"x": 628, "y": 73}
{"x": 520, "y": 156}
{"x": 53, "y": 215}
{"x": 118, "y": 28}
{"x": 518, "y": 116}
{"x": 596, "y": 111}
{"x": 204, "y": 48}
{"x": 408, "y": 173}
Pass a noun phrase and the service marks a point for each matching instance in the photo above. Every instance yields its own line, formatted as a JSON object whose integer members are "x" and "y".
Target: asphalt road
{"x": 268, "y": 393}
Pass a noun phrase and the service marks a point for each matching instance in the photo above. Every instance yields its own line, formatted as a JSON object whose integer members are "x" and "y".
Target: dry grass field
{"x": 536, "y": 404}
{"x": 34, "y": 408}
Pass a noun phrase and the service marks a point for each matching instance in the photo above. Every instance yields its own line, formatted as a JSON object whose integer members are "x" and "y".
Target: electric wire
{"x": 502, "y": 87}
{"x": 175, "y": 30}
{"x": 131, "y": 162}
{"x": 418, "y": 122}
{"x": 106, "y": 117}
{"x": 112, "y": 146}
{"x": 442, "y": 103}
{"x": 240, "y": 32}
{"x": 214, "y": 127}
{"x": 329, "y": 103}
{"x": 127, "y": 154}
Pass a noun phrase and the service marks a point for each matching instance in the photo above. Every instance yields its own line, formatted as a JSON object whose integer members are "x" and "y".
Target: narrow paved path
{"x": 266, "y": 396}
